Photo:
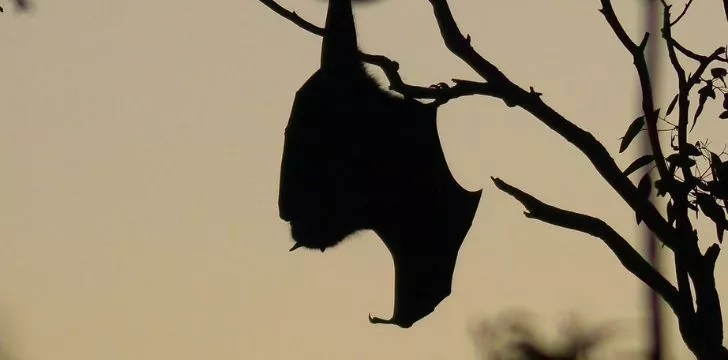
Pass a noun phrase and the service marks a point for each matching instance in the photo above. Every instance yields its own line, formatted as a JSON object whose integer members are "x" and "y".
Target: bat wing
{"x": 432, "y": 219}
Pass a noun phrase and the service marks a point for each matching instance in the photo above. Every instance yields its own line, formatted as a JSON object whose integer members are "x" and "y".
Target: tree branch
{"x": 626, "y": 254}
{"x": 441, "y": 93}
{"x": 648, "y": 105}
{"x": 293, "y": 17}
{"x": 680, "y": 16}
{"x": 531, "y": 102}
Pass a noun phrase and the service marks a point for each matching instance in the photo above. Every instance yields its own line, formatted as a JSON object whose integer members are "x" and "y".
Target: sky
{"x": 140, "y": 145}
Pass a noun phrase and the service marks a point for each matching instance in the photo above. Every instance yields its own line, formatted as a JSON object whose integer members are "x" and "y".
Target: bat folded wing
{"x": 424, "y": 263}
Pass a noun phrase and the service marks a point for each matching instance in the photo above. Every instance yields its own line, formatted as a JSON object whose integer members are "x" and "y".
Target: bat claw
{"x": 376, "y": 320}
{"x": 295, "y": 246}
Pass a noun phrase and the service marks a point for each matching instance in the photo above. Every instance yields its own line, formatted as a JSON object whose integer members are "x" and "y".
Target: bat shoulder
{"x": 313, "y": 84}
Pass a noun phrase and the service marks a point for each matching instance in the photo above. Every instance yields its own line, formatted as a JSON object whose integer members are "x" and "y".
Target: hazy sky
{"x": 140, "y": 145}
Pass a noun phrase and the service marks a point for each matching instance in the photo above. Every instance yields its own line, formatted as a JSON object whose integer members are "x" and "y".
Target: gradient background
{"x": 140, "y": 143}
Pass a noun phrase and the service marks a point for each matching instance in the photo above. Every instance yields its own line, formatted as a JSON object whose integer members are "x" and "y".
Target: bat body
{"x": 356, "y": 157}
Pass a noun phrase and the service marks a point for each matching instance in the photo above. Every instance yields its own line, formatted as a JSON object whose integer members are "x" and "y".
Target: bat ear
{"x": 295, "y": 246}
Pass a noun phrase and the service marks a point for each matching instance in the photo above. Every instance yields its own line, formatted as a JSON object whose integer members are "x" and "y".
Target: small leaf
{"x": 722, "y": 171}
{"x": 718, "y": 189}
{"x": 701, "y": 103}
{"x": 725, "y": 101}
{"x": 679, "y": 160}
{"x": 692, "y": 150}
{"x": 662, "y": 187}
{"x": 718, "y": 72}
{"x": 723, "y": 115}
{"x": 710, "y": 208}
{"x": 640, "y": 162}
{"x": 645, "y": 185}
{"x": 672, "y": 105}
{"x": 707, "y": 90}
{"x": 634, "y": 128}
{"x": 673, "y": 158}
{"x": 671, "y": 168}
{"x": 714, "y": 164}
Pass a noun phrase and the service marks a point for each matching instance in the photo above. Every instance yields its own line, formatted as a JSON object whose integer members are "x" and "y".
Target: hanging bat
{"x": 356, "y": 157}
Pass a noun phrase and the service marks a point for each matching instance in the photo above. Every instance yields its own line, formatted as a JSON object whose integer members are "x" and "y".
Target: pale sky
{"x": 140, "y": 147}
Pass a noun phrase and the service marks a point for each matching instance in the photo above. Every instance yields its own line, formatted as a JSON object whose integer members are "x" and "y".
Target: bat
{"x": 356, "y": 157}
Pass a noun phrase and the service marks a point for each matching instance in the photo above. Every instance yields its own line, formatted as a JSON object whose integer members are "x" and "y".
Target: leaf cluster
{"x": 707, "y": 189}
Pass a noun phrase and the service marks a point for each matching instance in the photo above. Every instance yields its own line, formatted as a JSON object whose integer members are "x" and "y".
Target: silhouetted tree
{"x": 674, "y": 169}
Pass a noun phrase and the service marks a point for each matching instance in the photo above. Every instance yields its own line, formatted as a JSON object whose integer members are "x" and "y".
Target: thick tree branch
{"x": 460, "y": 45}
{"x": 715, "y": 56}
{"x": 626, "y": 254}
{"x": 708, "y": 313}
{"x": 531, "y": 102}
{"x": 680, "y": 197}
{"x": 686, "y": 322}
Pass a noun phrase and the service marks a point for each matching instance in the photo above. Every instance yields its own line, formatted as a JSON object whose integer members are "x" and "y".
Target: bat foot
{"x": 378, "y": 320}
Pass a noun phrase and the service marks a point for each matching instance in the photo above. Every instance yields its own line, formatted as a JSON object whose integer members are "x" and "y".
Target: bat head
{"x": 323, "y": 196}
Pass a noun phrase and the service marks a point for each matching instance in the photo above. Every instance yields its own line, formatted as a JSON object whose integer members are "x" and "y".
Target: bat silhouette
{"x": 356, "y": 157}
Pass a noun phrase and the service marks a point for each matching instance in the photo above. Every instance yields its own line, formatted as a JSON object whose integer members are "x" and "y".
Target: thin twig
{"x": 441, "y": 94}
{"x": 648, "y": 105}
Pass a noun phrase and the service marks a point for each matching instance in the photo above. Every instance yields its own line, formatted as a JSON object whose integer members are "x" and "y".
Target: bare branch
{"x": 680, "y": 16}
{"x": 627, "y": 255}
{"x": 441, "y": 94}
{"x": 648, "y": 105}
{"x": 293, "y": 17}
{"x": 715, "y": 56}
{"x": 671, "y": 45}
{"x": 531, "y": 102}
{"x": 680, "y": 196}
{"x": 460, "y": 45}
{"x": 683, "y": 280}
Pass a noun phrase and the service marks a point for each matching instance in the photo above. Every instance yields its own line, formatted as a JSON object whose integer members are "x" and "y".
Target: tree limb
{"x": 627, "y": 255}
{"x": 531, "y": 102}
{"x": 441, "y": 94}
{"x": 293, "y": 17}
{"x": 648, "y": 104}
